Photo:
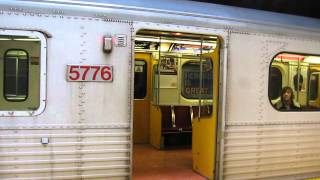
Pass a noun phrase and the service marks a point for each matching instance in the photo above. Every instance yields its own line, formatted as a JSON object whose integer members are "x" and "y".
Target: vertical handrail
{"x": 158, "y": 84}
{"x": 298, "y": 80}
{"x": 173, "y": 117}
{"x": 200, "y": 79}
{"x": 191, "y": 114}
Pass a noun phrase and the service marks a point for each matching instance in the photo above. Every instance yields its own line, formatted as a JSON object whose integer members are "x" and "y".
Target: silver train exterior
{"x": 83, "y": 130}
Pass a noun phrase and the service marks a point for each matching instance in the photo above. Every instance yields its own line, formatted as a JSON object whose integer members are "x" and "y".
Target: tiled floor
{"x": 152, "y": 164}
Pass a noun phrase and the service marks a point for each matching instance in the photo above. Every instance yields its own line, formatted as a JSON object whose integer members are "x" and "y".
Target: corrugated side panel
{"x": 72, "y": 153}
{"x": 272, "y": 152}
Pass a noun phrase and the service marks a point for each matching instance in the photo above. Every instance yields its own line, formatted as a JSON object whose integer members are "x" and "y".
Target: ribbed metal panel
{"x": 272, "y": 152}
{"x": 80, "y": 153}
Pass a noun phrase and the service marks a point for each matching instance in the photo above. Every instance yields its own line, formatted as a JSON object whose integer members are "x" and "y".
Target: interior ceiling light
{"x": 213, "y": 43}
{"x": 312, "y": 59}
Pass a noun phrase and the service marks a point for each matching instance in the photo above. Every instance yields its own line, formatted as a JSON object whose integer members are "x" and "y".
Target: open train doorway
{"x": 175, "y": 105}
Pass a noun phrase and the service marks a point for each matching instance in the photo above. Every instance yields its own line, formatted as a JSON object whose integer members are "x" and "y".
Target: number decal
{"x": 97, "y": 68}
{"x": 105, "y": 73}
{"x": 74, "y": 71}
{"x": 86, "y": 69}
{"x": 89, "y": 73}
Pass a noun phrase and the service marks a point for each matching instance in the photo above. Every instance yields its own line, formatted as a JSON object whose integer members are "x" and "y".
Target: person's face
{"x": 287, "y": 95}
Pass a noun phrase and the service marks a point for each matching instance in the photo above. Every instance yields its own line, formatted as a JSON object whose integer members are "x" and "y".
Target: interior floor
{"x": 150, "y": 163}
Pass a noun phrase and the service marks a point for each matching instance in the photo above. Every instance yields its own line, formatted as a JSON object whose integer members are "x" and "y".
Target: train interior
{"x": 175, "y": 97}
{"x": 301, "y": 73}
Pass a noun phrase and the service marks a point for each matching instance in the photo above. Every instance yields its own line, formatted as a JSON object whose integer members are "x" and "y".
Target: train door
{"x": 141, "y": 98}
{"x": 176, "y": 78}
{"x": 204, "y": 125}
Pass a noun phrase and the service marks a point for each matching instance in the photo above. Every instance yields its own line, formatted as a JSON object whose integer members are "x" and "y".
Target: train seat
{"x": 176, "y": 119}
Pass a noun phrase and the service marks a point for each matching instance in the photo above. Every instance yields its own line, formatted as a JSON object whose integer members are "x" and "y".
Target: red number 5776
{"x": 89, "y": 73}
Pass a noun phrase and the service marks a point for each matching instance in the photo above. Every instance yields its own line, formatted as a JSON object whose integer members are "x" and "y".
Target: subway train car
{"x": 83, "y": 83}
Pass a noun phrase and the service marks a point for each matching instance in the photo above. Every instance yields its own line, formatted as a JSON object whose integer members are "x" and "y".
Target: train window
{"x": 140, "y": 79}
{"x": 22, "y": 73}
{"x": 190, "y": 88}
{"x": 276, "y": 85}
{"x": 294, "y": 82}
{"x": 16, "y": 75}
{"x": 297, "y": 82}
{"x": 314, "y": 86}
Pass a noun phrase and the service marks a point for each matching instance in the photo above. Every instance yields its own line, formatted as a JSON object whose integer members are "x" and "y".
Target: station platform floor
{"x": 171, "y": 164}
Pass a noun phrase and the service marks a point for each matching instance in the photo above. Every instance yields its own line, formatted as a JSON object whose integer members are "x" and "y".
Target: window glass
{"x": 16, "y": 75}
{"x": 276, "y": 85}
{"x": 140, "y": 79}
{"x": 314, "y": 84}
{"x": 191, "y": 80}
{"x": 298, "y": 81}
{"x": 294, "y": 82}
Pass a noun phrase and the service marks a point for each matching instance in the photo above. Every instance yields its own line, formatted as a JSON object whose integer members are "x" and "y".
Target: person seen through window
{"x": 286, "y": 101}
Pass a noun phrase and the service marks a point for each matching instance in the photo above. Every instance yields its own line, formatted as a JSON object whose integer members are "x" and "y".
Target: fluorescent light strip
{"x": 173, "y": 41}
{"x": 18, "y": 39}
{"x": 26, "y": 39}
{"x": 312, "y": 59}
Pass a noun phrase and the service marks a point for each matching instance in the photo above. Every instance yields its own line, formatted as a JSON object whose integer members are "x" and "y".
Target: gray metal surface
{"x": 259, "y": 141}
{"x": 88, "y": 125}
{"x": 198, "y": 9}
{"x": 84, "y": 130}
